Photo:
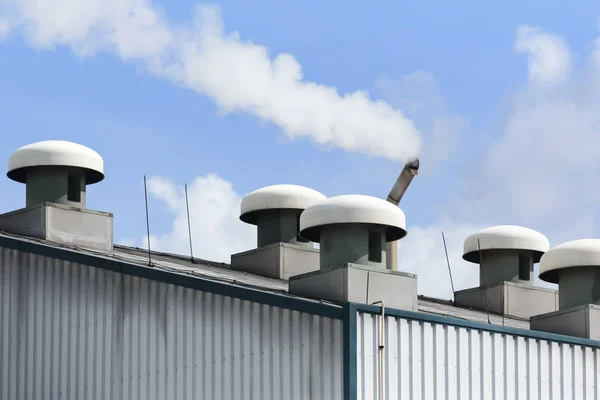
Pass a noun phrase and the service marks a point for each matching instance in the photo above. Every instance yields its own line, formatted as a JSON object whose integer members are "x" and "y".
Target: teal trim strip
{"x": 437, "y": 319}
{"x": 350, "y": 352}
{"x": 205, "y": 285}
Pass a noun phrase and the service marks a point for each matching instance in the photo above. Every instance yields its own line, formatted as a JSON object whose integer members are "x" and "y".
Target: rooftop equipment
{"x": 575, "y": 267}
{"x": 281, "y": 252}
{"x": 506, "y": 255}
{"x": 56, "y": 171}
{"x": 275, "y": 210}
{"x": 56, "y": 174}
{"x": 406, "y": 176}
{"x": 352, "y": 231}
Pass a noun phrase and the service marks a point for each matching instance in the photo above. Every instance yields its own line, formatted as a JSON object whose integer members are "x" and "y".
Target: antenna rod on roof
{"x": 449, "y": 270}
{"x": 483, "y": 284}
{"x": 187, "y": 206}
{"x": 147, "y": 222}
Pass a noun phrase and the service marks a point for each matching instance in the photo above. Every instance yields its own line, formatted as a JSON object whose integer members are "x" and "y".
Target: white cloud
{"x": 539, "y": 172}
{"x": 239, "y": 76}
{"x": 540, "y": 169}
{"x": 4, "y": 28}
{"x": 422, "y": 252}
{"x": 418, "y": 93}
{"x": 549, "y": 60}
{"x": 595, "y": 59}
{"x": 214, "y": 206}
{"x": 414, "y": 92}
{"x": 131, "y": 28}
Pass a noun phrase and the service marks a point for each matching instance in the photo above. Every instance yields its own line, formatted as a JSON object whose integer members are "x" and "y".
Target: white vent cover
{"x": 56, "y": 153}
{"x": 578, "y": 253}
{"x": 277, "y": 197}
{"x": 505, "y": 237}
{"x": 353, "y": 209}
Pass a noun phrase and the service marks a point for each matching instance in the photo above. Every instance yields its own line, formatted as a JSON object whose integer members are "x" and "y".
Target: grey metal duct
{"x": 406, "y": 176}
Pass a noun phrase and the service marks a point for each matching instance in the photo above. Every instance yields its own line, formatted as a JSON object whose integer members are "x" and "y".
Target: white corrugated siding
{"x": 434, "y": 361}
{"x": 70, "y": 331}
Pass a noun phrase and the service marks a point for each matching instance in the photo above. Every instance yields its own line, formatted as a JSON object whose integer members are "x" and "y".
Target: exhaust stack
{"x": 409, "y": 171}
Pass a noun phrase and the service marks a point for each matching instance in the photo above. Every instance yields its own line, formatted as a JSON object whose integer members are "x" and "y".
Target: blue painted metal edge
{"x": 350, "y": 351}
{"x": 438, "y": 319}
{"x": 205, "y": 285}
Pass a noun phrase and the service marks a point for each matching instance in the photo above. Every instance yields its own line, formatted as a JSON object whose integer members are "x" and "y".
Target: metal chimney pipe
{"x": 406, "y": 176}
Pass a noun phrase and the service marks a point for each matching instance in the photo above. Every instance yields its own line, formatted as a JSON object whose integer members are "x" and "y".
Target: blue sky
{"x": 504, "y": 113}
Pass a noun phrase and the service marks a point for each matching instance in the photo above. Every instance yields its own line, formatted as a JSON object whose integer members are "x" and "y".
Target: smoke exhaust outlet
{"x": 406, "y": 176}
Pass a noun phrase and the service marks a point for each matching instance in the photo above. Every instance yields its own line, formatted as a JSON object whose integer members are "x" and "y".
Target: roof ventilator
{"x": 575, "y": 267}
{"x": 281, "y": 252}
{"x": 56, "y": 174}
{"x": 506, "y": 255}
{"x": 353, "y": 231}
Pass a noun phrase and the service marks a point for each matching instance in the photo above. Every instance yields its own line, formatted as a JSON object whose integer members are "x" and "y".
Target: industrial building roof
{"x": 177, "y": 266}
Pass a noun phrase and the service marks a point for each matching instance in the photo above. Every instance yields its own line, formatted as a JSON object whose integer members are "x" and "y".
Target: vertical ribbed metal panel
{"x": 434, "y": 361}
{"x": 70, "y": 331}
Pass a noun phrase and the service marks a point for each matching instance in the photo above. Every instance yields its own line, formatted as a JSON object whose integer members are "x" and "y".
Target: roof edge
{"x": 437, "y": 319}
{"x": 197, "y": 283}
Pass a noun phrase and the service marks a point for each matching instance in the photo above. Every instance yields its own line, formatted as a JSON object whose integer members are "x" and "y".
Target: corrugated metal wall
{"x": 69, "y": 331}
{"x": 434, "y": 361}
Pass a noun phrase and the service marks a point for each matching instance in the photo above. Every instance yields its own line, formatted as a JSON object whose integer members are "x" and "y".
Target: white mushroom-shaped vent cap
{"x": 352, "y": 209}
{"x": 55, "y": 153}
{"x": 277, "y": 197}
{"x": 505, "y": 237}
{"x": 578, "y": 253}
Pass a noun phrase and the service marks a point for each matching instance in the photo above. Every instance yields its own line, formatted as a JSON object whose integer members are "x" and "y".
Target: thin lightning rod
{"x": 449, "y": 270}
{"x": 147, "y": 222}
{"x": 187, "y": 205}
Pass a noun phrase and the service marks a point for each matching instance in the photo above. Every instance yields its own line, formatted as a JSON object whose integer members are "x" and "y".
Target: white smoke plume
{"x": 237, "y": 75}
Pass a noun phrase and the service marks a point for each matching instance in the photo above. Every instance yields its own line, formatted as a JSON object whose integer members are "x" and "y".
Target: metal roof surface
{"x": 199, "y": 268}
{"x": 445, "y": 308}
{"x": 221, "y": 272}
